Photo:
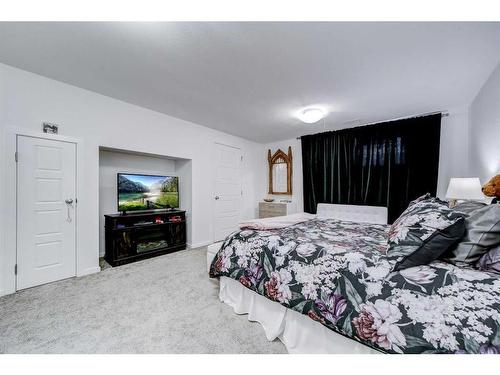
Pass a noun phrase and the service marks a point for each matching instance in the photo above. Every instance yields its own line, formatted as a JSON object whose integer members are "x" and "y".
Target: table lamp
{"x": 464, "y": 189}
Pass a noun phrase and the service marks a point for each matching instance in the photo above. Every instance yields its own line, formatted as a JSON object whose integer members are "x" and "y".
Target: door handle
{"x": 217, "y": 197}
{"x": 69, "y": 202}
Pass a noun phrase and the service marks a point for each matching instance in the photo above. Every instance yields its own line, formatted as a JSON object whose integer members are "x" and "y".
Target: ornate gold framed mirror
{"x": 280, "y": 172}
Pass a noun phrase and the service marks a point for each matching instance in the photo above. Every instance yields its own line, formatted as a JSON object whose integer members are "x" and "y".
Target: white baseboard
{"x": 6, "y": 292}
{"x": 88, "y": 271}
{"x": 199, "y": 244}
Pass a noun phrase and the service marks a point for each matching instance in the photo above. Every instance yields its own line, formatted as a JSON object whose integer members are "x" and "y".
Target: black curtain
{"x": 387, "y": 164}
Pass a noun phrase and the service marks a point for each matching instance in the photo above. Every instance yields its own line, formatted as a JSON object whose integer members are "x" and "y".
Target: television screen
{"x": 146, "y": 192}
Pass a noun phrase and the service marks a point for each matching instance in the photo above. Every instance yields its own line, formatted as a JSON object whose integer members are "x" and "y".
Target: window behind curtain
{"x": 387, "y": 164}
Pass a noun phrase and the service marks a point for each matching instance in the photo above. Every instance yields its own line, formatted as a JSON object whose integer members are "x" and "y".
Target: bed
{"x": 325, "y": 285}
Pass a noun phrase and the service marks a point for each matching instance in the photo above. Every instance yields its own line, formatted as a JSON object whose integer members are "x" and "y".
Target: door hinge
{"x": 15, "y": 269}
{"x": 16, "y": 156}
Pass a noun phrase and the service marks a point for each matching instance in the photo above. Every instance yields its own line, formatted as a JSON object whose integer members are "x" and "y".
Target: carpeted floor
{"x": 161, "y": 305}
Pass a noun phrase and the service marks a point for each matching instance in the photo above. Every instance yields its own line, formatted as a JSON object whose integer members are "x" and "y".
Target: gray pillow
{"x": 468, "y": 207}
{"x": 490, "y": 261}
{"x": 482, "y": 232}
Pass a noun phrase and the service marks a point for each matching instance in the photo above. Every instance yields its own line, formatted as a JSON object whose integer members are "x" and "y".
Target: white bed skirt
{"x": 299, "y": 333}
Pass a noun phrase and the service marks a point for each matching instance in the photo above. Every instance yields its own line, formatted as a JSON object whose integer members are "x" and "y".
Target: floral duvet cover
{"x": 337, "y": 273}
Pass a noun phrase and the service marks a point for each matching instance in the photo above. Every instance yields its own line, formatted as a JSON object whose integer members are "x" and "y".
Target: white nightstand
{"x": 272, "y": 209}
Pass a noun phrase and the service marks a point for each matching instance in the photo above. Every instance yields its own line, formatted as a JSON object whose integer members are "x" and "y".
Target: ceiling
{"x": 249, "y": 79}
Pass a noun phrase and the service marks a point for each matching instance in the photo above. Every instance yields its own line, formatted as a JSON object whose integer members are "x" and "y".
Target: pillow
{"x": 424, "y": 197}
{"x": 423, "y": 232}
{"x": 468, "y": 207}
{"x": 490, "y": 261}
{"x": 482, "y": 232}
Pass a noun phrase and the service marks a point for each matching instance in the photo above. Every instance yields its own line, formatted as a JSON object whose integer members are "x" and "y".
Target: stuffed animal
{"x": 492, "y": 189}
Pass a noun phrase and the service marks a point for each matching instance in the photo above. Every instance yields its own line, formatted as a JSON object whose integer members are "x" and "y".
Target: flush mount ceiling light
{"x": 311, "y": 115}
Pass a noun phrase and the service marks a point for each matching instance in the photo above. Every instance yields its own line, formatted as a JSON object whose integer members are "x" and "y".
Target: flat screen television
{"x": 139, "y": 192}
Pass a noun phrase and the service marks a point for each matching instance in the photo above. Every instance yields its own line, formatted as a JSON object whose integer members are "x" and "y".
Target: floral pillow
{"x": 424, "y": 197}
{"x": 423, "y": 232}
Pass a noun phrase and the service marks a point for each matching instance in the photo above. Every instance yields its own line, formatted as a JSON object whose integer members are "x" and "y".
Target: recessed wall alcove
{"x": 113, "y": 161}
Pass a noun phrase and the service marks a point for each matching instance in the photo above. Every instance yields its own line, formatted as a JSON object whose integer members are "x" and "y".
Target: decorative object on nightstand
{"x": 492, "y": 189}
{"x": 464, "y": 189}
{"x": 280, "y": 172}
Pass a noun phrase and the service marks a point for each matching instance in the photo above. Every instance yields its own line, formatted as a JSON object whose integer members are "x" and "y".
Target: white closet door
{"x": 46, "y": 226}
{"x": 228, "y": 194}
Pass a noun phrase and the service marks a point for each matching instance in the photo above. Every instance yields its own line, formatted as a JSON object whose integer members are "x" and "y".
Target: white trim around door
{"x": 8, "y": 252}
{"x": 228, "y": 193}
{"x": 46, "y": 211}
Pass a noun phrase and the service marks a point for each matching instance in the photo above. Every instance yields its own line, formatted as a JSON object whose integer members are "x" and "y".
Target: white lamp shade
{"x": 464, "y": 188}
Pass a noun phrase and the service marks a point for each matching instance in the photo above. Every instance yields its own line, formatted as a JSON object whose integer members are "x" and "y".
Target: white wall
{"x": 111, "y": 163}
{"x": 453, "y": 160}
{"x": 454, "y": 148}
{"x": 485, "y": 130}
{"x": 26, "y": 100}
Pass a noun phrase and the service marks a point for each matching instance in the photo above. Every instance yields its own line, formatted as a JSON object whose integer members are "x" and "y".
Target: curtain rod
{"x": 443, "y": 114}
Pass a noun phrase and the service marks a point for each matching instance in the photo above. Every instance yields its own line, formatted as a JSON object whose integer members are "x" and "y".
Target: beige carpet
{"x": 161, "y": 305}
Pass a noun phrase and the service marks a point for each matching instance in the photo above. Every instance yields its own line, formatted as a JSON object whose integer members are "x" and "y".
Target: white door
{"x": 46, "y": 201}
{"x": 228, "y": 193}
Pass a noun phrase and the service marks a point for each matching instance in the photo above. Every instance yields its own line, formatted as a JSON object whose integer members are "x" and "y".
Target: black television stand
{"x": 135, "y": 236}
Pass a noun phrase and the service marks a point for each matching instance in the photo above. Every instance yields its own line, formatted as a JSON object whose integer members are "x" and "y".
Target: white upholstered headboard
{"x": 349, "y": 212}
